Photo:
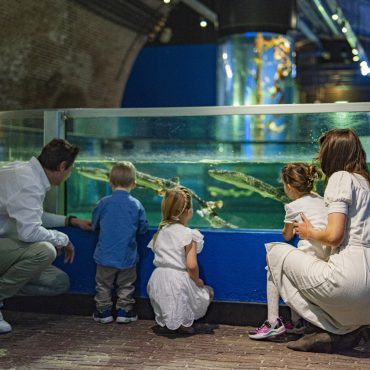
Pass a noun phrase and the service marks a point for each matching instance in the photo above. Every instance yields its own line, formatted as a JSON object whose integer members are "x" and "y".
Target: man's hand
{"x": 200, "y": 283}
{"x": 82, "y": 224}
{"x": 69, "y": 253}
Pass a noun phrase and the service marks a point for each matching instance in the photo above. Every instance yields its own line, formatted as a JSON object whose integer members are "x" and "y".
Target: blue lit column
{"x": 255, "y": 68}
{"x": 255, "y": 65}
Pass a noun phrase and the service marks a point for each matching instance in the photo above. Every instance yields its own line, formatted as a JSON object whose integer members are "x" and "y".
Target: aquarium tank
{"x": 230, "y": 158}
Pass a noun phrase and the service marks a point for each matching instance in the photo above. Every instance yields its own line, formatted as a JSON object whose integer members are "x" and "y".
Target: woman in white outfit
{"x": 177, "y": 294}
{"x": 332, "y": 295}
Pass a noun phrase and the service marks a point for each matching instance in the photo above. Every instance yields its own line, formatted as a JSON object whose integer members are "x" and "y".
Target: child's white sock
{"x": 272, "y": 301}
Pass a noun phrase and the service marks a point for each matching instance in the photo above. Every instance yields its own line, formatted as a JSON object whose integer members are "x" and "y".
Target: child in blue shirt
{"x": 118, "y": 217}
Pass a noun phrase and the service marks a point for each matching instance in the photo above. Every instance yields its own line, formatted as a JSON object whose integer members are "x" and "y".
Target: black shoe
{"x": 186, "y": 330}
{"x": 325, "y": 342}
{"x": 315, "y": 342}
{"x": 349, "y": 340}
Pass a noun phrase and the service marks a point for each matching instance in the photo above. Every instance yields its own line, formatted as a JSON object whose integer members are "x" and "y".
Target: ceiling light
{"x": 344, "y": 29}
{"x": 203, "y": 23}
{"x": 356, "y": 58}
{"x": 365, "y": 70}
{"x": 334, "y": 17}
{"x": 166, "y": 1}
{"x": 354, "y": 51}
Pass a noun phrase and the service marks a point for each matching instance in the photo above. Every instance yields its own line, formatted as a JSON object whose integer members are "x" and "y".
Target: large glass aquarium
{"x": 229, "y": 157}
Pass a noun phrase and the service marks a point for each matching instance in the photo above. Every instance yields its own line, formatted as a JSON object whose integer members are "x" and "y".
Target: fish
{"x": 250, "y": 183}
{"x": 160, "y": 185}
{"x": 94, "y": 173}
{"x": 234, "y": 193}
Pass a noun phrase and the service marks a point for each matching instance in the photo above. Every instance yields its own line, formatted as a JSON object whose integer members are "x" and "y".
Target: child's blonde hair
{"x": 301, "y": 176}
{"x": 123, "y": 174}
{"x": 174, "y": 204}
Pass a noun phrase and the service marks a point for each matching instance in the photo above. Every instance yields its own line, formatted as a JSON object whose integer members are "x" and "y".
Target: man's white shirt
{"x": 23, "y": 186}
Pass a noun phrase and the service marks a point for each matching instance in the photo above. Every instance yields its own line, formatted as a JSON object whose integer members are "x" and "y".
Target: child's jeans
{"x": 125, "y": 281}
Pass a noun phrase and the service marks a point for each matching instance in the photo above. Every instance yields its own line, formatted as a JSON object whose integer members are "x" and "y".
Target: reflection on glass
{"x": 20, "y": 138}
{"x": 191, "y": 151}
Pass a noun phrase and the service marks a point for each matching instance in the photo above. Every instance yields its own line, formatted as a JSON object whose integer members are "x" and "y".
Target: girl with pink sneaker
{"x": 298, "y": 179}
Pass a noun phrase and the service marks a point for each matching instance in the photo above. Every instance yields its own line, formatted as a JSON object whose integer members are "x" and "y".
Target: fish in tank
{"x": 225, "y": 195}
{"x": 230, "y": 162}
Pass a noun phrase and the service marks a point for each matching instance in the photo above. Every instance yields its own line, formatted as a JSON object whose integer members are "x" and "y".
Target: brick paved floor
{"x": 41, "y": 341}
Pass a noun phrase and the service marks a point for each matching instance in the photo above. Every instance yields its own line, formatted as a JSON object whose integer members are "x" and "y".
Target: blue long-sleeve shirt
{"x": 118, "y": 217}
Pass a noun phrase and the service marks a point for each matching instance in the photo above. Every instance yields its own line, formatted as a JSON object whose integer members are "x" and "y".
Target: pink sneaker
{"x": 267, "y": 330}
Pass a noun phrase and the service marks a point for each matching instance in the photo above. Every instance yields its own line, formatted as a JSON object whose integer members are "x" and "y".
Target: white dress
{"x": 174, "y": 296}
{"x": 313, "y": 206}
{"x": 334, "y": 295}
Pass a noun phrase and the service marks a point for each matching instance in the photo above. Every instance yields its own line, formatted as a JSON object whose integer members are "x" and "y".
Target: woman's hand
{"x": 303, "y": 229}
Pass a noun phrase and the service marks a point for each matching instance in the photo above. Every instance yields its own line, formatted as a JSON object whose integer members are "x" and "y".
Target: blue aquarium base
{"x": 232, "y": 262}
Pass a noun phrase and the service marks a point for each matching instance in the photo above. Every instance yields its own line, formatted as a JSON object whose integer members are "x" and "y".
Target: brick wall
{"x": 60, "y": 54}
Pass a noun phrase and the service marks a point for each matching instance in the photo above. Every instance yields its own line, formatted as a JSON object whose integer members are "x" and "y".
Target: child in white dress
{"x": 298, "y": 179}
{"x": 177, "y": 294}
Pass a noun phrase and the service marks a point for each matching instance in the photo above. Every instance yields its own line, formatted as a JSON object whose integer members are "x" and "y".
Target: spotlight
{"x": 166, "y": 1}
{"x": 344, "y": 29}
{"x": 365, "y": 70}
{"x": 354, "y": 51}
{"x": 334, "y": 17}
{"x": 356, "y": 58}
{"x": 203, "y": 23}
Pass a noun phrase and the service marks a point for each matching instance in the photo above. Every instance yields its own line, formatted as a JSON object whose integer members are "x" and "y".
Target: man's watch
{"x": 69, "y": 220}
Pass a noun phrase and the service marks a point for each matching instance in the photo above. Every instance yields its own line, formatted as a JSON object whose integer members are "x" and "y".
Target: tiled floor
{"x": 41, "y": 341}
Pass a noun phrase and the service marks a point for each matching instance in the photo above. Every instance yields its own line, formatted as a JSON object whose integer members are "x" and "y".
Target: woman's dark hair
{"x": 341, "y": 150}
{"x": 56, "y": 152}
{"x": 301, "y": 176}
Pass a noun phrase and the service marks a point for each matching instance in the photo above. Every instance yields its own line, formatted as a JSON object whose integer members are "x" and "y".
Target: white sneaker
{"x": 4, "y": 326}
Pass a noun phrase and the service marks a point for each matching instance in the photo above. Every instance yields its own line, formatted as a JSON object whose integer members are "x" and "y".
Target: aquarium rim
{"x": 191, "y": 111}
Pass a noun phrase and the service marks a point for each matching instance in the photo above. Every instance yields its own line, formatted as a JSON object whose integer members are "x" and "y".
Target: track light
{"x": 203, "y": 23}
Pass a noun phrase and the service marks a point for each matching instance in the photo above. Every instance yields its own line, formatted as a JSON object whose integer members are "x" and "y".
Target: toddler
{"x": 298, "y": 179}
{"x": 118, "y": 217}
{"x": 177, "y": 294}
